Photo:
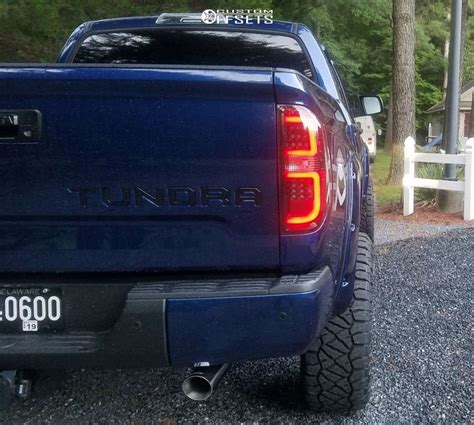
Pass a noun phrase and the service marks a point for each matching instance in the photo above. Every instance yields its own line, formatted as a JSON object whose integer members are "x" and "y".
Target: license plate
{"x": 30, "y": 310}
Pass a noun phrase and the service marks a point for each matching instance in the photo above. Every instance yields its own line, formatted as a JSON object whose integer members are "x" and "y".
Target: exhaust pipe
{"x": 200, "y": 385}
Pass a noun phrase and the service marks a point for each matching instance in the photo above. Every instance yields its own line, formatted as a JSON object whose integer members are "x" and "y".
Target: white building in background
{"x": 465, "y": 114}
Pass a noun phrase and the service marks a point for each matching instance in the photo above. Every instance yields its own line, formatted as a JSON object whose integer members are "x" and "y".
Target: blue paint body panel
{"x": 222, "y": 330}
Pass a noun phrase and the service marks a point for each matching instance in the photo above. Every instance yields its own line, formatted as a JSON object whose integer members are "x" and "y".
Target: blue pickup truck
{"x": 183, "y": 194}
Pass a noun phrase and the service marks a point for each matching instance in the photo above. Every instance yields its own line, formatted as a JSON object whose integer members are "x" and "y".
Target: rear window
{"x": 194, "y": 47}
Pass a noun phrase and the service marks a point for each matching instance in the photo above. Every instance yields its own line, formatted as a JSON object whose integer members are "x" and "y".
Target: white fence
{"x": 410, "y": 181}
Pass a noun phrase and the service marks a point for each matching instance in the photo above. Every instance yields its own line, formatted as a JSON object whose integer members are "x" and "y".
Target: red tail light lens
{"x": 304, "y": 168}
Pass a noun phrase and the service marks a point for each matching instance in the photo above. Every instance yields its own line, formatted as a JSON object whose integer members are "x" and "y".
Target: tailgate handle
{"x": 20, "y": 126}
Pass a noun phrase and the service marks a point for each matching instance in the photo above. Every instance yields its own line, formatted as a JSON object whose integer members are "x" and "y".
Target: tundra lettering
{"x": 173, "y": 196}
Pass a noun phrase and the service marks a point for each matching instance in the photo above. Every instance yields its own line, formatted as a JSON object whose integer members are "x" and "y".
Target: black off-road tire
{"x": 367, "y": 211}
{"x": 335, "y": 369}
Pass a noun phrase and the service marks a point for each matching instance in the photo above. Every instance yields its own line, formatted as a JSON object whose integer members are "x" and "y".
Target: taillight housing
{"x": 303, "y": 169}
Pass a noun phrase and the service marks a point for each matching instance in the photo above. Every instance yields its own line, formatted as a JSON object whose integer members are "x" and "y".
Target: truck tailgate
{"x": 138, "y": 170}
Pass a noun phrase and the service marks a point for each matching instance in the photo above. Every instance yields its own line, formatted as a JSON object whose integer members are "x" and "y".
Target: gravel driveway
{"x": 422, "y": 359}
{"x": 387, "y": 231}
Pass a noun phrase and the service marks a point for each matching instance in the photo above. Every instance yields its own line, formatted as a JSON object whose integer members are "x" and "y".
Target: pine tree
{"x": 403, "y": 100}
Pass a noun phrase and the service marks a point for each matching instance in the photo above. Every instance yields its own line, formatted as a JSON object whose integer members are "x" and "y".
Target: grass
{"x": 379, "y": 169}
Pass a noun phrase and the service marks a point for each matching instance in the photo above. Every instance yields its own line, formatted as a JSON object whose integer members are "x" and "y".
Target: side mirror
{"x": 372, "y": 105}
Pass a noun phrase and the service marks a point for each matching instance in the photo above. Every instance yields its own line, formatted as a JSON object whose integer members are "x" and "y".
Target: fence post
{"x": 469, "y": 181}
{"x": 408, "y": 176}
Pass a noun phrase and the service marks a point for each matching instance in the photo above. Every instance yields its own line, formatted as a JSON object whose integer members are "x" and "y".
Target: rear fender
{"x": 348, "y": 262}
{"x": 303, "y": 252}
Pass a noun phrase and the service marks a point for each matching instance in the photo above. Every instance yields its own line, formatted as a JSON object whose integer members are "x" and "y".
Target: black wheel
{"x": 367, "y": 211}
{"x": 336, "y": 367}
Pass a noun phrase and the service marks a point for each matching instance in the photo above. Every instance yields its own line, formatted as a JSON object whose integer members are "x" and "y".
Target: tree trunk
{"x": 465, "y": 7}
{"x": 471, "y": 118}
{"x": 389, "y": 129}
{"x": 403, "y": 96}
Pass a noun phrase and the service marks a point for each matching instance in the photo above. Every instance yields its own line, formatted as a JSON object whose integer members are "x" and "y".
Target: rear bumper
{"x": 179, "y": 323}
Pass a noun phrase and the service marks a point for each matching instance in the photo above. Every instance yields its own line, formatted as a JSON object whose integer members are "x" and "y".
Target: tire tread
{"x": 367, "y": 211}
{"x": 336, "y": 367}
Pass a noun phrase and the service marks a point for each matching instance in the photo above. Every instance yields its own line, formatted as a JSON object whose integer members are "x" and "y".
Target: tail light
{"x": 304, "y": 169}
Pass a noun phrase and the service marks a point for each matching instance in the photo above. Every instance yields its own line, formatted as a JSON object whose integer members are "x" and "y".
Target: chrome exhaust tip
{"x": 202, "y": 382}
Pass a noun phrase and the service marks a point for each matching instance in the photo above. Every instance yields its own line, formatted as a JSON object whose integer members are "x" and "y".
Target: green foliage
{"x": 35, "y": 30}
{"x": 428, "y": 171}
{"x": 429, "y": 70}
{"x": 357, "y": 33}
{"x": 384, "y": 193}
{"x": 358, "y": 36}
{"x": 432, "y": 171}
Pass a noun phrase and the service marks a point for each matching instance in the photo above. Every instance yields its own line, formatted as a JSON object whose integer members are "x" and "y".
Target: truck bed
{"x": 138, "y": 170}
